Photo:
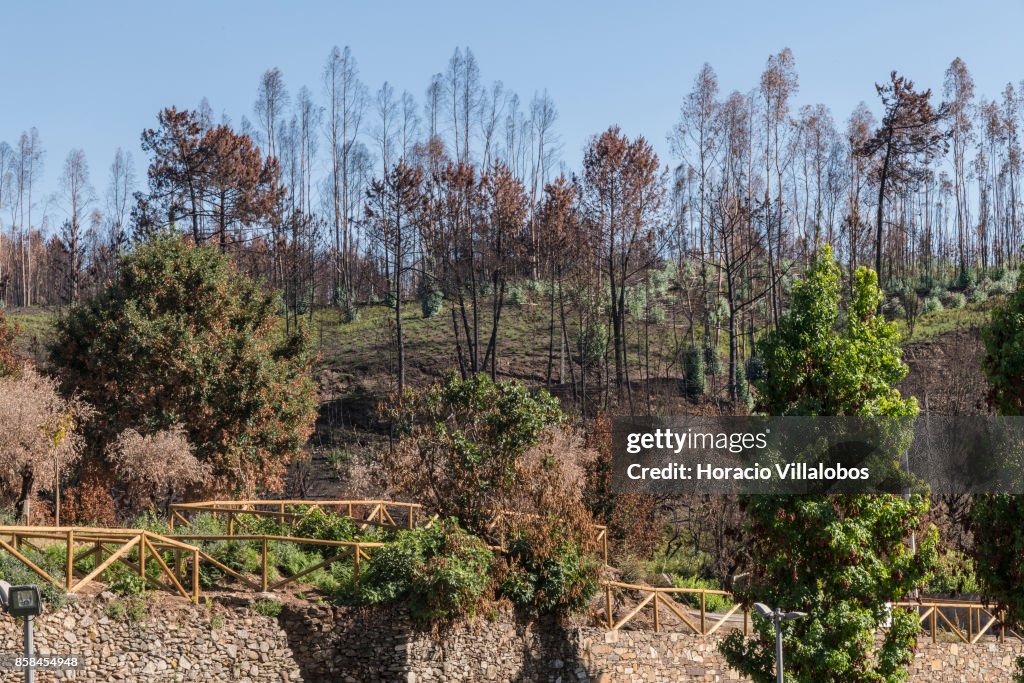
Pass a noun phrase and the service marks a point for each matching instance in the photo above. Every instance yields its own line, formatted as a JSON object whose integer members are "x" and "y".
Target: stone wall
{"x": 368, "y": 645}
{"x": 371, "y": 645}
{"x": 172, "y": 640}
{"x": 169, "y": 640}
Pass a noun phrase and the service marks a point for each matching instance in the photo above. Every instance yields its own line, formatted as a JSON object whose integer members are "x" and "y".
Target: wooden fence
{"x": 967, "y": 622}
{"x": 382, "y": 513}
{"x": 342, "y": 549}
{"x": 367, "y": 512}
{"x": 105, "y": 546}
{"x": 109, "y": 546}
{"x": 187, "y": 550}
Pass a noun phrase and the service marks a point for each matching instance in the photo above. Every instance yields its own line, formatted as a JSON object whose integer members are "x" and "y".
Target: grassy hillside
{"x": 361, "y": 353}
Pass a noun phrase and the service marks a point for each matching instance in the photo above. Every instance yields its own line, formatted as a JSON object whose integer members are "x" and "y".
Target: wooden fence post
{"x": 195, "y": 576}
{"x": 608, "y": 606}
{"x": 70, "y": 559}
{"x": 264, "y": 564}
{"x": 142, "y": 558}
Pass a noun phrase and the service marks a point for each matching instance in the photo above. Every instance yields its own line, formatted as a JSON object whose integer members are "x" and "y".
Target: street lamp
{"x": 777, "y": 616}
{"x": 23, "y": 601}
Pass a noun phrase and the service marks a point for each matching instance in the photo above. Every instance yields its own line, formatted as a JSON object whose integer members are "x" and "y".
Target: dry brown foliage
{"x": 634, "y": 527}
{"x": 90, "y": 502}
{"x": 157, "y": 467}
{"x": 39, "y": 441}
{"x": 548, "y": 497}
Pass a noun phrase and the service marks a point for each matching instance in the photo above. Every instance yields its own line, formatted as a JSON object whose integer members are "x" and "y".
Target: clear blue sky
{"x": 93, "y": 75}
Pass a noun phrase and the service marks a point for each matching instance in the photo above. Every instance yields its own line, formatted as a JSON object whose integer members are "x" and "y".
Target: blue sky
{"x": 93, "y": 75}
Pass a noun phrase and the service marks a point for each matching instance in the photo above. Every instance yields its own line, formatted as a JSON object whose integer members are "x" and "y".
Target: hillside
{"x": 356, "y": 361}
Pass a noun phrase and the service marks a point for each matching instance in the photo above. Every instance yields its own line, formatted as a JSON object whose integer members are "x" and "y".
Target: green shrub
{"x": 932, "y": 305}
{"x": 955, "y": 300}
{"x": 656, "y": 314}
{"x": 124, "y": 581}
{"x": 965, "y": 278}
{"x": 977, "y": 296}
{"x": 442, "y": 573}
{"x": 894, "y": 309}
{"x": 128, "y": 610}
{"x": 203, "y": 524}
{"x": 695, "y": 381}
{"x": 260, "y": 524}
{"x": 755, "y": 368}
{"x": 242, "y": 556}
{"x": 289, "y": 559}
{"x": 150, "y": 520}
{"x": 431, "y": 297}
{"x": 268, "y": 608}
{"x": 592, "y": 343}
{"x": 324, "y": 526}
{"x": 514, "y": 296}
{"x": 561, "y": 581}
{"x": 349, "y": 313}
{"x": 954, "y": 574}
{"x": 636, "y": 302}
{"x": 712, "y": 601}
{"x": 1001, "y": 286}
{"x": 14, "y": 572}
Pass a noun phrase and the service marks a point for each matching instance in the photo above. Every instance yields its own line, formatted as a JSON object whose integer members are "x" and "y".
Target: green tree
{"x": 839, "y": 558}
{"x": 180, "y": 337}
{"x": 1003, "y": 361}
{"x": 462, "y": 442}
{"x": 499, "y": 460}
{"x": 996, "y": 519}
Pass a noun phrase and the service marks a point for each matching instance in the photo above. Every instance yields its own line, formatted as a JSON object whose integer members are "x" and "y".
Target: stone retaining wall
{"x": 172, "y": 640}
{"x": 175, "y": 641}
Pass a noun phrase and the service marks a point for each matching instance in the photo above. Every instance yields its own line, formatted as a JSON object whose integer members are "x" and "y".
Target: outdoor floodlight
{"x": 24, "y": 601}
{"x": 777, "y": 616}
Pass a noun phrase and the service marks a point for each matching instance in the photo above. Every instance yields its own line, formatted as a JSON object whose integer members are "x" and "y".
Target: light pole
{"x": 777, "y": 616}
{"x": 23, "y": 601}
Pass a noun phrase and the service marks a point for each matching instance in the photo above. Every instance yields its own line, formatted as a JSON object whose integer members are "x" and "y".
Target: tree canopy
{"x": 839, "y": 558}
{"x": 181, "y": 338}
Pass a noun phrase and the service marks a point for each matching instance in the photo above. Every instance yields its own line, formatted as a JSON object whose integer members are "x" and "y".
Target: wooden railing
{"x": 698, "y": 621}
{"x": 381, "y": 513}
{"x": 105, "y": 546}
{"x": 939, "y": 617}
{"x": 936, "y": 617}
{"x": 109, "y": 546}
{"x": 366, "y": 512}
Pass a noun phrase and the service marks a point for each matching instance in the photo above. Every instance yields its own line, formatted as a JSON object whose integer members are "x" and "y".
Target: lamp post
{"x": 23, "y": 601}
{"x": 777, "y": 616}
